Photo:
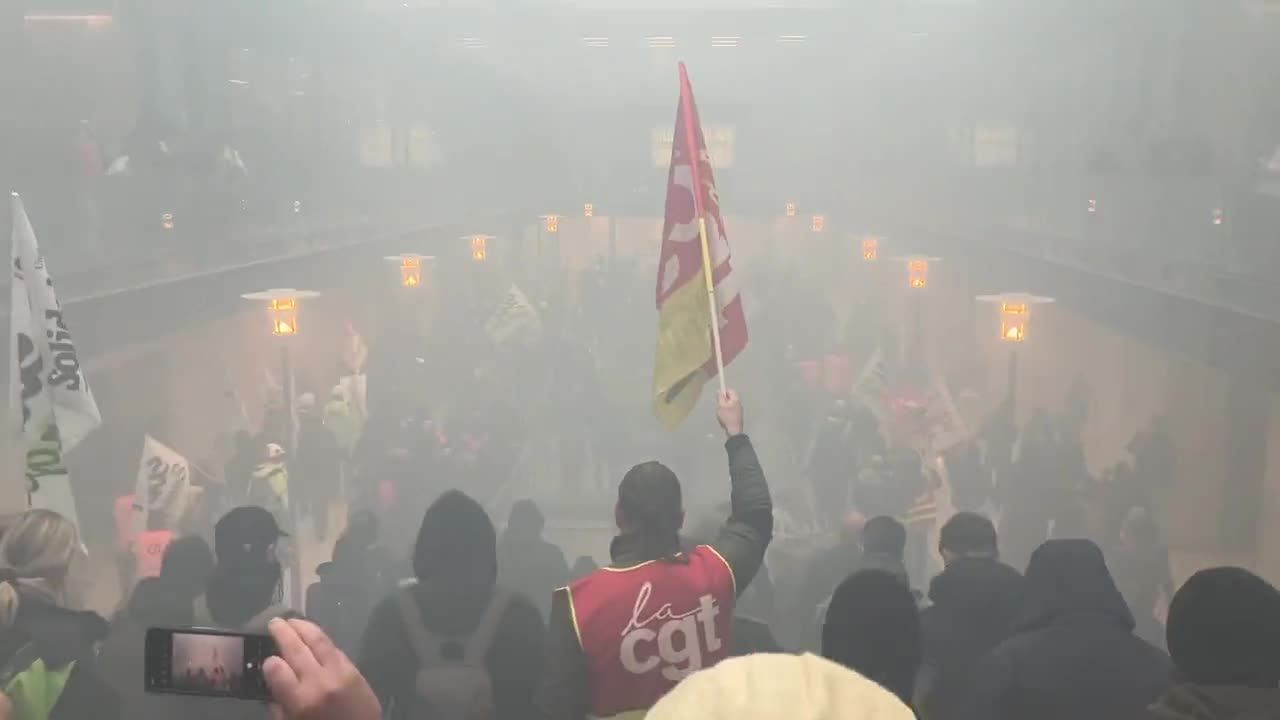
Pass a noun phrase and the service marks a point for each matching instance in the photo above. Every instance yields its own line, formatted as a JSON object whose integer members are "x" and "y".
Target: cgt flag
{"x": 694, "y": 272}
{"x": 51, "y": 406}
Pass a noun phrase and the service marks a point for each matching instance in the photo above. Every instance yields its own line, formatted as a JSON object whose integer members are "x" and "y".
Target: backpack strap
{"x": 424, "y": 643}
{"x": 477, "y": 646}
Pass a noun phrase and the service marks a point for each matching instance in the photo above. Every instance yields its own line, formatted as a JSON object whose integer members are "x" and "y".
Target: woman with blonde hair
{"x": 47, "y": 651}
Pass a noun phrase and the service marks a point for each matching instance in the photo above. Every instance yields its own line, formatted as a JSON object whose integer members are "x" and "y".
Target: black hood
{"x": 526, "y": 522}
{"x": 1069, "y": 579}
{"x": 979, "y": 590}
{"x": 456, "y": 554}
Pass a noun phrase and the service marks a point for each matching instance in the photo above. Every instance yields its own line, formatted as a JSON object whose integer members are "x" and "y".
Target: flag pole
{"x": 695, "y": 161}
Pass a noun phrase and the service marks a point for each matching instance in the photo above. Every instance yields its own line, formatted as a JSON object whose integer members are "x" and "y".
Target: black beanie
{"x": 456, "y": 544}
{"x": 1224, "y": 629}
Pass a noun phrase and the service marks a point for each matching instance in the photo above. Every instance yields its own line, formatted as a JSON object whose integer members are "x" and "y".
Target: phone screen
{"x": 212, "y": 663}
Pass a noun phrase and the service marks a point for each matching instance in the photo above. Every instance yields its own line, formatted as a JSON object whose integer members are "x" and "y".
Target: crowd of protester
{"x": 685, "y": 620}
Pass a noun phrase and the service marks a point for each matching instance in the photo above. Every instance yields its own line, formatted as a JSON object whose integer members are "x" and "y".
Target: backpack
{"x": 32, "y": 686}
{"x": 452, "y": 681}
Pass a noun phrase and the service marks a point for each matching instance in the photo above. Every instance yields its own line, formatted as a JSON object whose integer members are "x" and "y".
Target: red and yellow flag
{"x": 694, "y": 265}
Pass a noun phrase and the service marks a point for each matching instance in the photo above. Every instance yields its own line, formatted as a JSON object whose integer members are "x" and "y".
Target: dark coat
{"x": 1199, "y": 702}
{"x": 1072, "y": 653}
{"x": 527, "y": 563}
{"x": 455, "y": 560}
{"x": 391, "y": 667}
{"x": 974, "y": 602}
{"x": 59, "y": 636}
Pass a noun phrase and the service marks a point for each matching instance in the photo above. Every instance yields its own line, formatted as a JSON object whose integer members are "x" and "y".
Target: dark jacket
{"x": 154, "y": 603}
{"x": 59, "y": 636}
{"x": 1202, "y": 702}
{"x": 528, "y": 564}
{"x": 456, "y": 565}
{"x": 1072, "y": 653}
{"x": 742, "y": 542}
{"x": 974, "y": 602}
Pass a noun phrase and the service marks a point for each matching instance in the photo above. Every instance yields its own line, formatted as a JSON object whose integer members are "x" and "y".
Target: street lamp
{"x": 552, "y": 222}
{"x": 410, "y": 268}
{"x": 588, "y": 210}
{"x": 870, "y": 248}
{"x": 918, "y": 270}
{"x": 1015, "y": 314}
{"x": 282, "y": 308}
{"x": 918, "y": 279}
{"x": 166, "y": 221}
{"x": 479, "y": 246}
{"x": 791, "y": 209}
{"x": 818, "y": 223}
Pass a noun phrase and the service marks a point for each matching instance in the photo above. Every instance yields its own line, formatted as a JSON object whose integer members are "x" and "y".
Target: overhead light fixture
{"x": 596, "y": 41}
{"x": 89, "y": 20}
{"x": 661, "y": 41}
{"x": 791, "y": 39}
{"x": 725, "y": 40}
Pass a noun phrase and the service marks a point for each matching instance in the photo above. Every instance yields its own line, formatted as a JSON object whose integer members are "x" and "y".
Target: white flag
{"x": 163, "y": 485}
{"x": 49, "y": 398}
{"x": 872, "y": 385}
{"x": 515, "y": 316}
{"x": 947, "y": 427}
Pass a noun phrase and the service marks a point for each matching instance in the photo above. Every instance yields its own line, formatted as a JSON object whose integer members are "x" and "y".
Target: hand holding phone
{"x": 207, "y": 662}
{"x": 311, "y": 679}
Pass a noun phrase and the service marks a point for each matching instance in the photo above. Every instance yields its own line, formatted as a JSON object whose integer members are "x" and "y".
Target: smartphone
{"x": 207, "y": 662}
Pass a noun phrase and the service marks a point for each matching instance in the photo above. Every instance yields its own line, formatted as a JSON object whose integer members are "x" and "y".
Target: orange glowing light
{"x": 917, "y": 274}
{"x": 410, "y": 272}
{"x": 479, "y": 248}
{"x": 818, "y": 223}
{"x": 791, "y": 209}
{"x": 588, "y": 210}
{"x": 284, "y": 316}
{"x": 1013, "y": 321}
{"x": 870, "y": 248}
{"x": 553, "y": 223}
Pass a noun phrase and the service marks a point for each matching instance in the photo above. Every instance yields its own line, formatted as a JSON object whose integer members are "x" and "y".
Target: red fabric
{"x": 837, "y": 379}
{"x": 149, "y": 552}
{"x": 645, "y": 628}
{"x": 810, "y": 372}
{"x": 692, "y": 194}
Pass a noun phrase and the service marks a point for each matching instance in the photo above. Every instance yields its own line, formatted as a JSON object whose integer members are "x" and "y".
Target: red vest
{"x": 149, "y": 552}
{"x": 646, "y": 627}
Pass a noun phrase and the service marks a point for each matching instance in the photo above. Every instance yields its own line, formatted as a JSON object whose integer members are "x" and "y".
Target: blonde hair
{"x": 36, "y": 552}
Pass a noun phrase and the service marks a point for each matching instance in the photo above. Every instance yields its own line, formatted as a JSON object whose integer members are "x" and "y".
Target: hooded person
{"x": 974, "y": 600}
{"x": 770, "y": 686}
{"x": 873, "y": 628}
{"x": 245, "y": 589}
{"x": 623, "y": 636}
{"x": 1071, "y": 652}
{"x": 1224, "y": 637}
{"x": 47, "y": 651}
{"x": 455, "y": 614}
{"x": 527, "y": 563}
{"x": 162, "y": 601}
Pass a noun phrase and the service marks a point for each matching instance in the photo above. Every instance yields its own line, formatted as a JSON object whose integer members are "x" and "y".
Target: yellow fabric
{"x": 768, "y": 687}
{"x": 684, "y": 347}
